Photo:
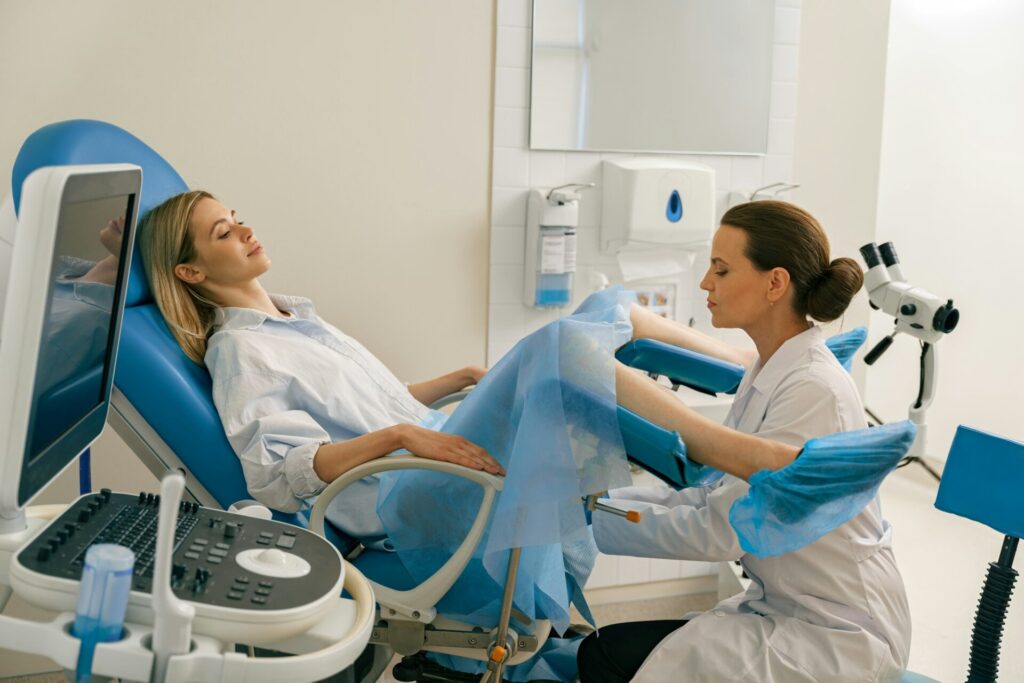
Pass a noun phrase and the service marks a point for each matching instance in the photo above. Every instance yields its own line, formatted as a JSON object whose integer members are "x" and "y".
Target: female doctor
{"x": 835, "y": 610}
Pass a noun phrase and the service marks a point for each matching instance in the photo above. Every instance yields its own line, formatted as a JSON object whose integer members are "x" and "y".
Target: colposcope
{"x": 918, "y": 313}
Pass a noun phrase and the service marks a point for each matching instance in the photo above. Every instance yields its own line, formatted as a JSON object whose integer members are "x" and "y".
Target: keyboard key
{"x": 213, "y": 560}
{"x": 286, "y": 542}
{"x": 217, "y": 552}
{"x": 235, "y": 595}
{"x": 262, "y": 591}
{"x": 222, "y": 546}
{"x": 288, "y": 532}
{"x": 191, "y": 556}
{"x": 242, "y": 579}
{"x": 266, "y": 584}
{"x": 200, "y": 541}
{"x": 259, "y": 600}
{"x": 263, "y": 541}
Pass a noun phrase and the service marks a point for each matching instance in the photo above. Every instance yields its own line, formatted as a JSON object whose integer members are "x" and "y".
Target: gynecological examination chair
{"x": 162, "y": 408}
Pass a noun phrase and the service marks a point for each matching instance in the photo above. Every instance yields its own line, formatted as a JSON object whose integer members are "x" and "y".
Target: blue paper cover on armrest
{"x": 682, "y": 366}
{"x": 662, "y": 453}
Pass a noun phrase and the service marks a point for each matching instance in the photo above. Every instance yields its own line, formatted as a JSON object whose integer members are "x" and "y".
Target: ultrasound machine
{"x": 197, "y": 581}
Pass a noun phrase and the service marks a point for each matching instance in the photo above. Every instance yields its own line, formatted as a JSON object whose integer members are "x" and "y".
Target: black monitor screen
{"x": 78, "y": 334}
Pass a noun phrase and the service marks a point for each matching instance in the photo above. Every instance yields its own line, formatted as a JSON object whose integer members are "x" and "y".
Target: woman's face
{"x": 737, "y": 291}
{"x": 227, "y": 251}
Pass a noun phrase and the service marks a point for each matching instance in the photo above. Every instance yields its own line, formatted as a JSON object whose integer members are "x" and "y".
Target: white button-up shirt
{"x": 835, "y": 610}
{"x": 285, "y": 386}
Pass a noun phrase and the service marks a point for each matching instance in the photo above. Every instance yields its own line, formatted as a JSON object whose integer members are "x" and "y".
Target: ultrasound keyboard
{"x": 247, "y": 577}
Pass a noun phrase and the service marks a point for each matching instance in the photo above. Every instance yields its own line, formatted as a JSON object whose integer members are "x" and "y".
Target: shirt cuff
{"x": 298, "y": 470}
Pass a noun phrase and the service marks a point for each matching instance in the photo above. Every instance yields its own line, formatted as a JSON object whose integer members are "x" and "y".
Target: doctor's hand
{"x": 452, "y": 448}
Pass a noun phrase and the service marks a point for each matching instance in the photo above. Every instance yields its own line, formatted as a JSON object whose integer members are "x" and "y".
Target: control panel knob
{"x": 44, "y": 554}
{"x": 178, "y": 572}
{"x": 230, "y": 530}
{"x": 908, "y": 309}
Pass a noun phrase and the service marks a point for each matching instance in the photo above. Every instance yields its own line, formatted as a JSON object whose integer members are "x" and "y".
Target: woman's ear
{"x": 189, "y": 273}
{"x": 778, "y": 284}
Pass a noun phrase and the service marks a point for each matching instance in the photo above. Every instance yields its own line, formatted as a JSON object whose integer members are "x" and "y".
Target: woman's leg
{"x": 707, "y": 442}
{"x": 648, "y": 325}
{"x": 614, "y": 653}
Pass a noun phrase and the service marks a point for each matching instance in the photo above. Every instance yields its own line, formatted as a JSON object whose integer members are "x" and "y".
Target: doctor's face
{"x": 736, "y": 289}
{"x": 227, "y": 251}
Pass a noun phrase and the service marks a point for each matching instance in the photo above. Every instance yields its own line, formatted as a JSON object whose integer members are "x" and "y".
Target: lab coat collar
{"x": 235, "y": 318}
{"x": 772, "y": 372}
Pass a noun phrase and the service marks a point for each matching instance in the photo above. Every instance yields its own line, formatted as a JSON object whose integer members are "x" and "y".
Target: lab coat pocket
{"x": 799, "y": 651}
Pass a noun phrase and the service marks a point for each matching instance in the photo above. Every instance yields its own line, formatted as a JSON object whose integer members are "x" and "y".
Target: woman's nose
{"x": 246, "y": 232}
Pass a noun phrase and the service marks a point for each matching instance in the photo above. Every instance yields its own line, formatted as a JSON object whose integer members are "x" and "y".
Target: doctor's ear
{"x": 778, "y": 284}
{"x": 188, "y": 273}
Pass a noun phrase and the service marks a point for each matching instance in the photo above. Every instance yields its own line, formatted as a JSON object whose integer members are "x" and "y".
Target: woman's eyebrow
{"x": 717, "y": 261}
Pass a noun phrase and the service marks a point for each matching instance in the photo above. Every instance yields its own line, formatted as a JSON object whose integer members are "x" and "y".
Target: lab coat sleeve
{"x": 676, "y": 532}
{"x": 274, "y": 442}
{"x": 663, "y": 495}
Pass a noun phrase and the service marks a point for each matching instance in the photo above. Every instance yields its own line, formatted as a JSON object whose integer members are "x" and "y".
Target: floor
{"x": 943, "y": 559}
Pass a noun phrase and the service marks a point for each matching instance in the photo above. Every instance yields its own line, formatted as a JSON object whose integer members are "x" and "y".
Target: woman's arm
{"x": 439, "y": 387}
{"x": 334, "y": 459}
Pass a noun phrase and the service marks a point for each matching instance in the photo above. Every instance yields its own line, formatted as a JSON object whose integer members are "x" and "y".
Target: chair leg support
{"x": 501, "y": 649}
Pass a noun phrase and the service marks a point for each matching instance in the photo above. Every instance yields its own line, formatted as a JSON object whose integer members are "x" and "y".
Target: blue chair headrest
{"x": 845, "y": 345}
{"x": 83, "y": 141}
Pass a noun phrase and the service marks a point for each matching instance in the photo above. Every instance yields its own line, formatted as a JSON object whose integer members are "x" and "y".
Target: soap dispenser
{"x": 552, "y": 218}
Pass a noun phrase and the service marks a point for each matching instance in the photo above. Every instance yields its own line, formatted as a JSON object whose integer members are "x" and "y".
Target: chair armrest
{"x": 449, "y": 399}
{"x": 682, "y": 366}
{"x": 418, "y": 603}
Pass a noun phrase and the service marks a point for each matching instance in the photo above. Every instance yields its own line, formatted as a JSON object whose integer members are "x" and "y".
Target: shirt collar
{"x": 236, "y": 318}
{"x": 792, "y": 350}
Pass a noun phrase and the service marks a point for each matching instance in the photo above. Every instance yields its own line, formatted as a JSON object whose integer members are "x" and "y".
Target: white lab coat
{"x": 833, "y": 611}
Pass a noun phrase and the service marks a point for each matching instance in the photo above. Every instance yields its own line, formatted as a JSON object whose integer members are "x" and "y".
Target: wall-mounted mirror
{"x": 652, "y": 75}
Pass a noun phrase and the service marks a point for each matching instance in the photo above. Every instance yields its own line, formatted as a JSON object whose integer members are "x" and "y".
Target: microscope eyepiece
{"x": 888, "y": 253}
{"x": 870, "y": 254}
{"x": 946, "y": 318}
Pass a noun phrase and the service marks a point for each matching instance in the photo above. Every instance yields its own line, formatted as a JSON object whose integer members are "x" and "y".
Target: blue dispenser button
{"x": 674, "y": 211}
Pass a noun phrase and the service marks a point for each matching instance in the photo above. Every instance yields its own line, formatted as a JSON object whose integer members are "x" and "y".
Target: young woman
{"x": 835, "y": 610}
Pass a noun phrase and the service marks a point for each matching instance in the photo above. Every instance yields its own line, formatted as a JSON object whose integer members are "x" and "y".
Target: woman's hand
{"x": 452, "y": 448}
{"x": 439, "y": 387}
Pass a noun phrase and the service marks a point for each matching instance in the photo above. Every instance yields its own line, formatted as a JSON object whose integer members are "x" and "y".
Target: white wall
{"x": 838, "y": 136}
{"x": 355, "y": 137}
{"x": 950, "y": 200}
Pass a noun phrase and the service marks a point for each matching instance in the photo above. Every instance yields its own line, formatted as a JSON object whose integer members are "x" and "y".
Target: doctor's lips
{"x": 711, "y": 304}
{"x": 258, "y": 249}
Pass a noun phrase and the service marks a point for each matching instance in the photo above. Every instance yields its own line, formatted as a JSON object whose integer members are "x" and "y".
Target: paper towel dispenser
{"x": 652, "y": 201}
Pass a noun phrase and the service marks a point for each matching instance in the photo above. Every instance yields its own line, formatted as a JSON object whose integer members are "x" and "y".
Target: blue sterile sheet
{"x": 547, "y": 412}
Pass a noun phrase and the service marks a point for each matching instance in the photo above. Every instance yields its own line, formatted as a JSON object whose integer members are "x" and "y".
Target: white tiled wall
{"x": 517, "y": 168}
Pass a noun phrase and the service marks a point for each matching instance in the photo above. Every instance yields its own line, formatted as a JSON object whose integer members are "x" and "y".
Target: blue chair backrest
{"x": 171, "y": 392}
{"x": 845, "y": 345}
{"x": 983, "y": 480}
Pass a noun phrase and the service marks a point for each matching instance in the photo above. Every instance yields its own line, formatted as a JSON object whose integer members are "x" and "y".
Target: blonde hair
{"x": 165, "y": 242}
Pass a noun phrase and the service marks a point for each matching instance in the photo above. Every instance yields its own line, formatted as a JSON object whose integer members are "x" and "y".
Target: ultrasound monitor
{"x": 65, "y": 290}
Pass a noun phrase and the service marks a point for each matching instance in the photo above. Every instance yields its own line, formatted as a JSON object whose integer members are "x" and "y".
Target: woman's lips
{"x": 257, "y": 250}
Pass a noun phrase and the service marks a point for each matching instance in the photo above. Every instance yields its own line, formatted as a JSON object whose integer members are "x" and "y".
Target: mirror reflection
{"x": 652, "y": 75}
